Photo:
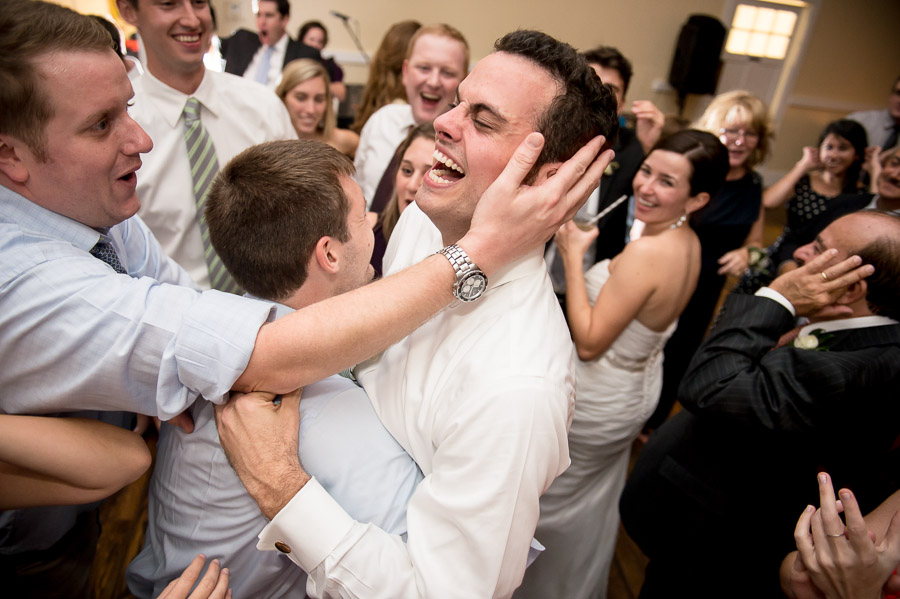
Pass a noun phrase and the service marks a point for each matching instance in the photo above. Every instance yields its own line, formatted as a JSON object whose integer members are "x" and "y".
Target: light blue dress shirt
{"x": 74, "y": 335}
{"x": 198, "y": 504}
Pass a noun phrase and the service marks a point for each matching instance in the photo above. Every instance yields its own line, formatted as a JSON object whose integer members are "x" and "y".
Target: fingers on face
{"x": 588, "y": 178}
{"x": 848, "y": 273}
{"x": 521, "y": 162}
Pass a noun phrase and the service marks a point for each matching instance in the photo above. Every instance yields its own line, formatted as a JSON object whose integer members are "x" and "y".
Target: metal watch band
{"x": 470, "y": 280}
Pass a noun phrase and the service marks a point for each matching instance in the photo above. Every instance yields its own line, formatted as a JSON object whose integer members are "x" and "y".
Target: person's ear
{"x": 696, "y": 202}
{"x": 546, "y": 171}
{"x": 328, "y": 254}
{"x": 403, "y": 71}
{"x": 128, "y": 12}
{"x": 853, "y": 293}
{"x": 11, "y": 163}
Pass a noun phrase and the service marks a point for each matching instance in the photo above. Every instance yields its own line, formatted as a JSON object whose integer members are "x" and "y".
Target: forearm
{"x": 578, "y": 308}
{"x": 86, "y": 460}
{"x": 782, "y": 190}
{"x": 878, "y": 519}
{"x": 342, "y": 331}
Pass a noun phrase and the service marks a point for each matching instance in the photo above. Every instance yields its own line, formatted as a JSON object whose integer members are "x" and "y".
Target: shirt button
{"x": 282, "y": 547}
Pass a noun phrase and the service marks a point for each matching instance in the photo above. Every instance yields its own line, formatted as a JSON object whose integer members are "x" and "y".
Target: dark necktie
{"x": 103, "y": 250}
{"x": 385, "y": 190}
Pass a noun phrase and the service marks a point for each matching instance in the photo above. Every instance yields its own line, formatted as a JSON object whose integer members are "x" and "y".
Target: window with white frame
{"x": 763, "y": 29}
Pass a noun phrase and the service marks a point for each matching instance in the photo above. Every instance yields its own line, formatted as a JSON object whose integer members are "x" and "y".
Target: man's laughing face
{"x": 431, "y": 74}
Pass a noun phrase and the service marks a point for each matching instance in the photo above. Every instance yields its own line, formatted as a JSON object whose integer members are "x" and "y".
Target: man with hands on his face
{"x": 762, "y": 404}
{"x": 481, "y": 395}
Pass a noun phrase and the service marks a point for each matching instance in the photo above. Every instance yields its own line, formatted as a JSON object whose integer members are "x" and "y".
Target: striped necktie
{"x": 204, "y": 166}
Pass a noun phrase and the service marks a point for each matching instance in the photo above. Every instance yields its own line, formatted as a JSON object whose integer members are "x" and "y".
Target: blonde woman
{"x": 306, "y": 93}
{"x": 741, "y": 122}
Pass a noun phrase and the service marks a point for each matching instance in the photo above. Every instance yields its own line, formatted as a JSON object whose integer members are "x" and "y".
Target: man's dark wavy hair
{"x": 584, "y": 108}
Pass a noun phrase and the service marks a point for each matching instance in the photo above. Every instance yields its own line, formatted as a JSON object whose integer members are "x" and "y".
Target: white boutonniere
{"x": 816, "y": 340}
{"x": 759, "y": 260}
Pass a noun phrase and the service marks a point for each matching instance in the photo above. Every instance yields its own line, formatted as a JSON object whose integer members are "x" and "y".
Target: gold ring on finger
{"x": 824, "y": 276}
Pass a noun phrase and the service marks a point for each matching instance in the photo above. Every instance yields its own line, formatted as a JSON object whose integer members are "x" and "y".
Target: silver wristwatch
{"x": 470, "y": 281}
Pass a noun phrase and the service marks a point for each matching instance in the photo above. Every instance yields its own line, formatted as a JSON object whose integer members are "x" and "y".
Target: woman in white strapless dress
{"x": 621, "y": 312}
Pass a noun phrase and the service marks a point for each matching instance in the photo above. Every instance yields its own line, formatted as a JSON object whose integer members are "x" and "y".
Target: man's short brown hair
{"x": 269, "y": 207}
{"x": 441, "y": 30}
{"x": 30, "y": 29}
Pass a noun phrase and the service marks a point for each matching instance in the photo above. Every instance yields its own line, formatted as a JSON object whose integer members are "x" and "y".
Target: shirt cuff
{"x": 308, "y": 528}
{"x": 775, "y": 296}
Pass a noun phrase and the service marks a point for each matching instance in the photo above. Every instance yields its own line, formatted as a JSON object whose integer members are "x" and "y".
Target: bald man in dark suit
{"x": 716, "y": 491}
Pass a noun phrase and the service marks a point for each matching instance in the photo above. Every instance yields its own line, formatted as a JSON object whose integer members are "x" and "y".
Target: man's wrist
{"x": 479, "y": 252}
{"x": 777, "y": 296}
{"x": 272, "y": 497}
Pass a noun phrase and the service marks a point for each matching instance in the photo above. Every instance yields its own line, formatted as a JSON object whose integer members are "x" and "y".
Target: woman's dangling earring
{"x": 679, "y": 222}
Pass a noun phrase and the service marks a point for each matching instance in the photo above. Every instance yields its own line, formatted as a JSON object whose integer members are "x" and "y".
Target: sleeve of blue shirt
{"x": 76, "y": 336}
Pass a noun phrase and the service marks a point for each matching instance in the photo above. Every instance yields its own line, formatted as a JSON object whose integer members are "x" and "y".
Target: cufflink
{"x": 282, "y": 547}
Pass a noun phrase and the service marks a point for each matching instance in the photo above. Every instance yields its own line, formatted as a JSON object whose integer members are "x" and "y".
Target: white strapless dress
{"x": 614, "y": 396}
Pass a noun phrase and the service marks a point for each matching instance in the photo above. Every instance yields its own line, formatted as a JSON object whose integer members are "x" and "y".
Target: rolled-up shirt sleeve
{"x": 77, "y": 336}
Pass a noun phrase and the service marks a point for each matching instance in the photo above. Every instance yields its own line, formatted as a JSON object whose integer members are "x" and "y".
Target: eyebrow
{"x": 480, "y": 107}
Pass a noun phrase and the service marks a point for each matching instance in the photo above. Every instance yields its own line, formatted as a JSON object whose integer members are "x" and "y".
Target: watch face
{"x": 471, "y": 286}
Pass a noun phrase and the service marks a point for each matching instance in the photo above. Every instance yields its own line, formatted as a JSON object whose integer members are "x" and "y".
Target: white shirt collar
{"x": 170, "y": 102}
{"x": 860, "y": 322}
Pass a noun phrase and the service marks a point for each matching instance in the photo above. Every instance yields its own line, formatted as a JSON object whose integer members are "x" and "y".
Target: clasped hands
{"x": 835, "y": 561}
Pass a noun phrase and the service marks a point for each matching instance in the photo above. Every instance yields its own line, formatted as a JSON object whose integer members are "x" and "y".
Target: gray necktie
{"x": 103, "y": 250}
{"x": 204, "y": 166}
{"x": 262, "y": 69}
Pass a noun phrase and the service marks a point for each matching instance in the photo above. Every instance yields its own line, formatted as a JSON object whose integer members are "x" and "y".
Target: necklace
{"x": 679, "y": 222}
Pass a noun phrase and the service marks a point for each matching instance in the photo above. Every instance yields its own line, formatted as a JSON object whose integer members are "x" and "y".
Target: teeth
{"x": 187, "y": 38}
{"x": 432, "y": 97}
{"x": 448, "y": 162}
{"x": 644, "y": 202}
{"x": 436, "y": 178}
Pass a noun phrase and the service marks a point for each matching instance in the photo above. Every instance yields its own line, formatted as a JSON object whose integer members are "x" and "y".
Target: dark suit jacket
{"x": 629, "y": 156}
{"x": 238, "y": 51}
{"x": 723, "y": 483}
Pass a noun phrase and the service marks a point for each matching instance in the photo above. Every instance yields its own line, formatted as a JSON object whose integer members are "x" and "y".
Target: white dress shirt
{"x": 237, "y": 114}
{"x": 378, "y": 141}
{"x": 877, "y": 123}
{"x": 481, "y": 397}
{"x": 276, "y": 62}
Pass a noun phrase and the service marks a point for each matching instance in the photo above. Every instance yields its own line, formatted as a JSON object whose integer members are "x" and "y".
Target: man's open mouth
{"x": 445, "y": 170}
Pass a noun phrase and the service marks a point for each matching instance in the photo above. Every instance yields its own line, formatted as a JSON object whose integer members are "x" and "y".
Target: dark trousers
{"x": 59, "y": 572}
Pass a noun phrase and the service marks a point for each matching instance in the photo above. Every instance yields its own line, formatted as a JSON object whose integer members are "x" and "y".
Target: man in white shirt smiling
{"x": 481, "y": 395}
{"x": 235, "y": 112}
{"x": 436, "y": 61}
